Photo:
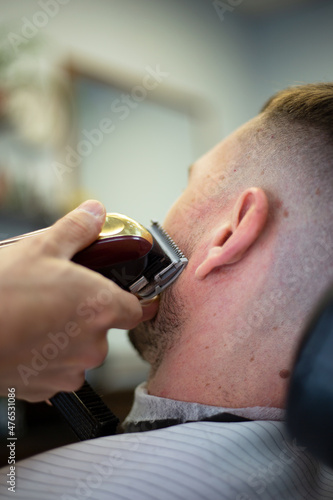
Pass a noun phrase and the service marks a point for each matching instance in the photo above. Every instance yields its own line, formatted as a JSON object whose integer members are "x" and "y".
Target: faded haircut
{"x": 310, "y": 105}
{"x": 301, "y": 121}
{"x": 301, "y": 117}
{"x": 287, "y": 150}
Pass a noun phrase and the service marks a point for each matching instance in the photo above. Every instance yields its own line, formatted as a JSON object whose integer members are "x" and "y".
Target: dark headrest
{"x": 310, "y": 398}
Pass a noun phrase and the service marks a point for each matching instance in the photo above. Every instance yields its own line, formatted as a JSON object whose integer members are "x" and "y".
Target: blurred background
{"x": 114, "y": 99}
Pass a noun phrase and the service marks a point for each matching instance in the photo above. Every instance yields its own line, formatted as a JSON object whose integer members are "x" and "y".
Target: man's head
{"x": 256, "y": 223}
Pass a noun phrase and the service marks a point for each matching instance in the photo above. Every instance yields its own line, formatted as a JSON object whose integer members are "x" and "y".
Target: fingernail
{"x": 148, "y": 302}
{"x": 149, "y": 308}
{"x": 93, "y": 207}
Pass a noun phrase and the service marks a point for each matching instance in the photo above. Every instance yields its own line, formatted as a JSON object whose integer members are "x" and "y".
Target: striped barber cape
{"x": 250, "y": 460}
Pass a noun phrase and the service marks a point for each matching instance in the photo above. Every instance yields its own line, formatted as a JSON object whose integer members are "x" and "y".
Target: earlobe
{"x": 231, "y": 241}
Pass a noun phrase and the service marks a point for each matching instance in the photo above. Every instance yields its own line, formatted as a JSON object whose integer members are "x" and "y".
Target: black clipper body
{"x": 143, "y": 262}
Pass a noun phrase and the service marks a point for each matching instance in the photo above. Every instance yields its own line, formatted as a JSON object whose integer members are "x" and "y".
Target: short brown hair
{"x": 309, "y": 104}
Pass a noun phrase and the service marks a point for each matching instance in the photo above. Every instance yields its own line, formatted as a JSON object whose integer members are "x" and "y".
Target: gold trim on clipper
{"x": 119, "y": 224}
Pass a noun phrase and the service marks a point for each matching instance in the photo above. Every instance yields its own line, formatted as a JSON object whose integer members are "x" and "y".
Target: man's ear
{"x": 233, "y": 239}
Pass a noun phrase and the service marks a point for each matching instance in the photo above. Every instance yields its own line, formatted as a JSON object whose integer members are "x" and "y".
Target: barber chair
{"x": 310, "y": 397}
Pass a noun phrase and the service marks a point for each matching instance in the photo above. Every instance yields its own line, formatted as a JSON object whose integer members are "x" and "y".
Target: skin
{"x": 199, "y": 354}
{"x": 43, "y": 293}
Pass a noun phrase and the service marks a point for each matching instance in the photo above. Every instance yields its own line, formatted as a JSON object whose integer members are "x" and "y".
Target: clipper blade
{"x": 165, "y": 263}
{"x": 157, "y": 231}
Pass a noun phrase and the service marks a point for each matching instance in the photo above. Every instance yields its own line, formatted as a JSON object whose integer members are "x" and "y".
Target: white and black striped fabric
{"x": 193, "y": 461}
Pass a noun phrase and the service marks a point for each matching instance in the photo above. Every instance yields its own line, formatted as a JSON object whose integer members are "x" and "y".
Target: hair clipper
{"x": 143, "y": 262}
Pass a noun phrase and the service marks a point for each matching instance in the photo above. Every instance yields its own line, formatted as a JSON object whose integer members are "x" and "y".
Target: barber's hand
{"x": 54, "y": 314}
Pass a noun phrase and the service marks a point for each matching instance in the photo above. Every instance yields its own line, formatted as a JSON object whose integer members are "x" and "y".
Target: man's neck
{"x": 199, "y": 373}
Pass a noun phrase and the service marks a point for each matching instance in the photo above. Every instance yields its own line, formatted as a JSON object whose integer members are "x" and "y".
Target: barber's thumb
{"x": 78, "y": 229}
